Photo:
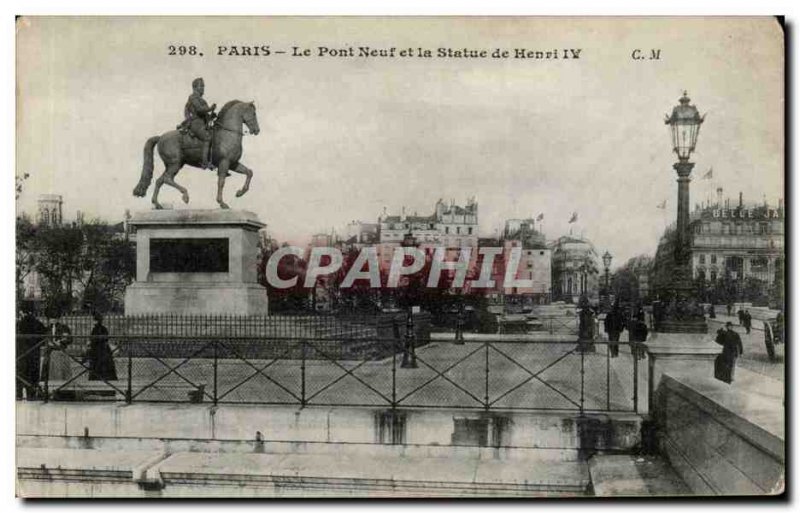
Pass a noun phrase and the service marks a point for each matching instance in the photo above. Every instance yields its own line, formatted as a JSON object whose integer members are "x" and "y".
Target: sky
{"x": 343, "y": 138}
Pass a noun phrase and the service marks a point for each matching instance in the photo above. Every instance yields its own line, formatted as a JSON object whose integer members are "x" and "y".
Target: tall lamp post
{"x": 409, "y": 342}
{"x": 681, "y": 314}
{"x": 606, "y": 264}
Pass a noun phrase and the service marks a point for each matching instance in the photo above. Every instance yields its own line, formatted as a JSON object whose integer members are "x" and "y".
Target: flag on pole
{"x": 662, "y": 205}
{"x": 540, "y": 217}
{"x": 709, "y": 174}
{"x": 574, "y": 217}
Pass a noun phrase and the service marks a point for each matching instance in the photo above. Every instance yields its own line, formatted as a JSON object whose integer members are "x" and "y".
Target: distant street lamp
{"x": 681, "y": 314}
{"x": 606, "y": 264}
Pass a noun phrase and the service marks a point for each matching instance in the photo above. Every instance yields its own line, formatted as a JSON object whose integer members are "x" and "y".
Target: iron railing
{"x": 401, "y": 370}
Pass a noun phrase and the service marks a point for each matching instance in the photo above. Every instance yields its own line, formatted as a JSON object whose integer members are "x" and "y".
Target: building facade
{"x": 50, "y": 210}
{"x": 737, "y": 249}
{"x": 450, "y": 225}
{"x": 575, "y": 269}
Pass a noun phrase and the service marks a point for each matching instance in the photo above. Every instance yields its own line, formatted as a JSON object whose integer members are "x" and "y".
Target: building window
{"x": 446, "y": 229}
{"x": 469, "y": 230}
{"x": 713, "y": 259}
{"x": 702, "y": 259}
{"x": 713, "y": 275}
{"x": 458, "y": 230}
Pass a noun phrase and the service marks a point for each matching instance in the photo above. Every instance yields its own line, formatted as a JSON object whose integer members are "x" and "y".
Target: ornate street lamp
{"x": 607, "y": 263}
{"x": 681, "y": 314}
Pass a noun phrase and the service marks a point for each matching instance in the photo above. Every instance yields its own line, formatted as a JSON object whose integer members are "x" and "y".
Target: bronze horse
{"x": 177, "y": 149}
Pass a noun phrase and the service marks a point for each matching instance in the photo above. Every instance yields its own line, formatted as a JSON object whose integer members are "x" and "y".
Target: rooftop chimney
{"x": 719, "y": 196}
{"x": 740, "y": 199}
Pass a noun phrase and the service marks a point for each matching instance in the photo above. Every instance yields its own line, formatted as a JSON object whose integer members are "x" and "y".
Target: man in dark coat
{"x": 29, "y": 350}
{"x": 100, "y": 358}
{"x": 747, "y": 321}
{"x": 614, "y": 324}
{"x": 725, "y": 363}
{"x": 637, "y": 334}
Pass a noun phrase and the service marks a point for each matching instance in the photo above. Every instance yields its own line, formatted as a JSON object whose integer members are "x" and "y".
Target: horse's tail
{"x": 147, "y": 168}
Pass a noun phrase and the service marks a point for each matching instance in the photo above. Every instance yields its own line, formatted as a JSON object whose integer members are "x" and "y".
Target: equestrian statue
{"x": 205, "y": 140}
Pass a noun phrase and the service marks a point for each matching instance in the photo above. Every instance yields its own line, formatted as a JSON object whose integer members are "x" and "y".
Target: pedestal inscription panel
{"x": 189, "y": 255}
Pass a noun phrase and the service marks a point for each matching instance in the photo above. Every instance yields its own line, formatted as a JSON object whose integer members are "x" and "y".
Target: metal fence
{"x": 393, "y": 365}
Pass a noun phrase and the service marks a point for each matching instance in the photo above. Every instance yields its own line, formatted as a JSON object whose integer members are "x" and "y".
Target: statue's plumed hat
{"x": 196, "y": 82}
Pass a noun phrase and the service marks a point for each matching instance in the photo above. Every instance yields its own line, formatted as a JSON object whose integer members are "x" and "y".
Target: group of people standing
{"x": 43, "y": 352}
{"x": 745, "y": 319}
{"x": 615, "y": 323}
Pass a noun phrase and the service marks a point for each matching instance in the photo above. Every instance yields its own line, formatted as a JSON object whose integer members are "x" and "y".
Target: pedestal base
{"x": 196, "y": 298}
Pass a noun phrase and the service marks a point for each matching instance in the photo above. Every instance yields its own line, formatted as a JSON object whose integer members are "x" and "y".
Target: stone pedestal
{"x": 196, "y": 262}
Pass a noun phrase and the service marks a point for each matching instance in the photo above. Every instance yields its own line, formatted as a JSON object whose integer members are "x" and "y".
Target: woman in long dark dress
{"x": 100, "y": 358}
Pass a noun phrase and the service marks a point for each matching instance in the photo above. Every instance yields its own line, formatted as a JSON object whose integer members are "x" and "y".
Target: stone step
{"x": 41, "y": 471}
{"x": 631, "y": 476}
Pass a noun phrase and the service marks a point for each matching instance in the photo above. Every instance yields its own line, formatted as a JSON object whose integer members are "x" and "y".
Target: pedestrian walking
{"x": 30, "y": 336}
{"x": 100, "y": 359}
{"x": 712, "y": 314}
{"x": 740, "y": 315}
{"x": 614, "y": 324}
{"x": 725, "y": 363}
{"x": 57, "y": 364}
{"x": 637, "y": 334}
{"x": 747, "y": 321}
{"x": 729, "y": 306}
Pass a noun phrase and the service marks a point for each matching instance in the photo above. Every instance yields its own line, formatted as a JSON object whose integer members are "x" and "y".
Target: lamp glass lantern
{"x": 607, "y": 260}
{"x": 684, "y": 125}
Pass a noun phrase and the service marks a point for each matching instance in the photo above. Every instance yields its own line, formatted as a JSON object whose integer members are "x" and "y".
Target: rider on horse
{"x": 197, "y": 116}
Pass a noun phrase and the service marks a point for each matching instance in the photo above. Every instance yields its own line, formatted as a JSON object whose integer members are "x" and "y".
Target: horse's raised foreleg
{"x": 222, "y": 172}
{"x": 241, "y": 168}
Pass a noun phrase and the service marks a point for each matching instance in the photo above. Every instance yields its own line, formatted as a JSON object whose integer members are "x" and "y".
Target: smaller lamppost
{"x": 409, "y": 345}
{"x": 606, "y": 264}
{"x": 460, "y": 322}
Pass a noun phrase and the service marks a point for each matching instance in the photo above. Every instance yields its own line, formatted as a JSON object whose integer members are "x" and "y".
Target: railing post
{"x": 46, "y": 380}
{"x": 651, "y": 370}
{"x": 582, "y": 378}
{"x": 394, "y": 373}
{"x": 486, "y": 377}
{"x": 303, "y": 373}
{"x": 608, "y": 376}
{"x": 129, "y": 391}
{"x": 215, "y": 344}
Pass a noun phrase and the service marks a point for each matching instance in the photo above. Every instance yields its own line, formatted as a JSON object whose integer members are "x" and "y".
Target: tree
{"x": 83, "y": 266}
{"x": 625, "y": 281}
{"x": 292, "y": 299}
{"x": 19, "y": 181}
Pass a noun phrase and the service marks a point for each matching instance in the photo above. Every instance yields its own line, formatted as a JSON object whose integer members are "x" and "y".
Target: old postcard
{"x": 400, "y": 257}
